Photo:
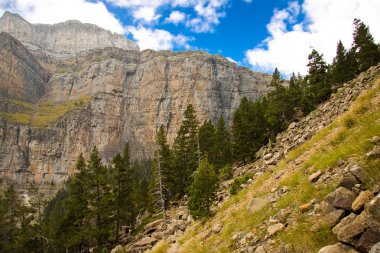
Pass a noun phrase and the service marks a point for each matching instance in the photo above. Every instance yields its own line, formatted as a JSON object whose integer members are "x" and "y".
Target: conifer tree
{"x": 249, "y": 129}
{"x": 318, "y": 86}
{"x": 366, "y": 51}
{"x": 122, "y": 190}
{"x": 99, "y": 199}
{"x": 276, "y": 78}
{"x": 203, "y": 190}
{"x": 223, "y": 148}
{"x": 166, "y": 160}
{"x": 207, "y": 140}
{"x": 185, "y": 150}
{"x": 76, "y": 205}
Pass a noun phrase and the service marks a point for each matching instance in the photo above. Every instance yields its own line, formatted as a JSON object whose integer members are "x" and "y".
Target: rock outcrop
{"x": 102, "y": 94}
{"x": 67, "y": 38}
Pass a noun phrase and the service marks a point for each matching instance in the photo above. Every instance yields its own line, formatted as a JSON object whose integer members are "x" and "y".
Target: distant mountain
{"x": 67, "y": 87}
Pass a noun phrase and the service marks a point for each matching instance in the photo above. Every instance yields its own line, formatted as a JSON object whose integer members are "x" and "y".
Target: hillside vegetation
{"x": 247, "y": 215}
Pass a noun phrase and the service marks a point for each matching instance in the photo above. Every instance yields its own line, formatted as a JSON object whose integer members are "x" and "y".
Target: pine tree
{"x": 249, "y": 129}
{"x": 185, "y": 150}
{"x": 10, "y": 220}
{"x": 76, "y": 206}
{"x": 276, "y": 78}
{"x": 366, "y": 51}
{"x": 340, "y": 68}
{"x": 99, "y": 199}
{"x": 166, "y": 160}
{"x": 203, "y": 190}
{"x": 223, "y": 148}
{"x": 207, "y": 140}
{"x": 318, "y": 84}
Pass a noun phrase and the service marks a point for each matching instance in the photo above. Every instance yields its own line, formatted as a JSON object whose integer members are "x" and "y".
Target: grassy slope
{"x": 347, "y": 138}
{"x": 43, "y": 113}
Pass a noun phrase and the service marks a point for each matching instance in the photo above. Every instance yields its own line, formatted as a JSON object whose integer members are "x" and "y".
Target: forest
{"x": 101, "y": 200}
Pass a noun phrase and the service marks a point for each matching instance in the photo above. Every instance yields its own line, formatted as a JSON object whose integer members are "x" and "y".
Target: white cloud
{"x": 55, "y": 11}
{"x": 176, "y": 17}
{"x": 205, "y": 14}
{"x": 145, "y": 13}
{"x": 326, "y": 22}
{"x": 158, "y": 39}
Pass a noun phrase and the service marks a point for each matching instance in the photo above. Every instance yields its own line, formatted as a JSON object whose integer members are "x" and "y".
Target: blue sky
{"x": 259, "y": 34}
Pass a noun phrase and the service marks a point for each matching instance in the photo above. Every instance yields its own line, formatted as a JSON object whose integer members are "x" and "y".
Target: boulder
{"x": 117, "y": 249}
{"x": 361, "y": 200}
{"x": 348, "y": 181}
{"x": 341, "y": 198}
{"x": 337, "y": 248}
{"x": 145, "y": 242}
{"x": 375, "y": 248}
{"x": 153, "y": 224}
{"x": 368, "y": 239}
{"x": 375, "y": 152}
{"x": 333, "y": 218}
{"x": 314, "y": 177}
{"x": 275, "y": 228}
{"x": 216, "y": 228}
{"x": 348, "y": 230}
{"x": 375, "y": 140}
{"x": 260, "y": 249}
{"x": 305, "y": 207}
{"x": 372, "y": 209}
{"x": 358, "y": 172}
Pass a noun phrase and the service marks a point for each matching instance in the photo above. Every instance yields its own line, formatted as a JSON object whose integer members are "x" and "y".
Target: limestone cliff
{"x": 106, "y": 97}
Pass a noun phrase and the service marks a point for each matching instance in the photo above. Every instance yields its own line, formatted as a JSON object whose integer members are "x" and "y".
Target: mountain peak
{"x": 66, "y": 38}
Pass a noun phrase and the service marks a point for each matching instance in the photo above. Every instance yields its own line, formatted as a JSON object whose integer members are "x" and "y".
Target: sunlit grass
{"x": 43, "y": 113}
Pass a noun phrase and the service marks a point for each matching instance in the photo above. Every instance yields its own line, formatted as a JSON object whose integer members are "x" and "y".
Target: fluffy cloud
{"x": 146, "y": 13}
{"x": 176, "y": 17}
{"x": 325, "y": 23}
{"x": 158, "y": 39}
{"x": 55, "y": 11}
{"x": 204, "y": 15}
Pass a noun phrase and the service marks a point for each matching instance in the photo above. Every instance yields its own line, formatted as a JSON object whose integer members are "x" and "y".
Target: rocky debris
{"x": 358, "y": 172}
{"x": 314, "y": 177}
{"x": 305, "y": 207}
{"x": 273, "y": 229}
{"x": 375, "y": 152}
{"x": 361, "y": 200}
{"x": 341, "y": 198}
{"x": 333, "y": 218}
{"x": 367, "y": 240}
{"x": 337, "y": 248}
{"x": 216, "y": 228}
{"x": 348, "y": 182}
{"x": 375, "y": 248}
{"x": 375, "y": 140}
{"x": 117, "y": 249}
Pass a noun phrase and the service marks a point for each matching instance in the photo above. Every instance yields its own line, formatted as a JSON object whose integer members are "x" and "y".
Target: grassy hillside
{"x": 346, "y": 138}
{"x": 43, "y": 113}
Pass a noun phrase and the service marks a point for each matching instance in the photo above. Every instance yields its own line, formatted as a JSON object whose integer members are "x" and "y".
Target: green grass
{"x": 347, "y": 137}
{"x": 44, "y": 113}
{"x": 160, "y": 247}
{"x": 303, "y": 239}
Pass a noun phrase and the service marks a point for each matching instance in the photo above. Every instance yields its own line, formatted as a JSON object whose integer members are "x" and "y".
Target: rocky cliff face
{"x": 104, "y": 97}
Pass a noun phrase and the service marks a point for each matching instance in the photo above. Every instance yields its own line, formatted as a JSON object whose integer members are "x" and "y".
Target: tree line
{"x": 100, "y": 200}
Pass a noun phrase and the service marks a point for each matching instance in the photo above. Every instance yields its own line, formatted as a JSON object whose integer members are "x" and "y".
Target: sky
{"x": 259, "y": 34}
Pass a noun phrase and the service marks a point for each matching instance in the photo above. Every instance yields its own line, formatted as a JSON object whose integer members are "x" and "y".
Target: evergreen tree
{"x": 366, "y": 51}
{"x": 276, "y": 78}
{"x": 166, "y": 161}
{"x": 203, "y": 190}
{"x": 99, "y": 199}
{"x": 10, "y": 220}
{"x": 249, "y": 129}
{"x": 318, "y": 86}
{"x": 185, "y": 150}
{"x": 223, "y": 148}
{"x": 76, "y": 205}
{"x": 122, "y": 190}
{"x": 207, "y": 140}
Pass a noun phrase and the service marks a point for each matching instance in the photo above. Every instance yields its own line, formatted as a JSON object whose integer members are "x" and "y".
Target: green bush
{"x": 226, "y": 172}
{"x": 235, "y": 186}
